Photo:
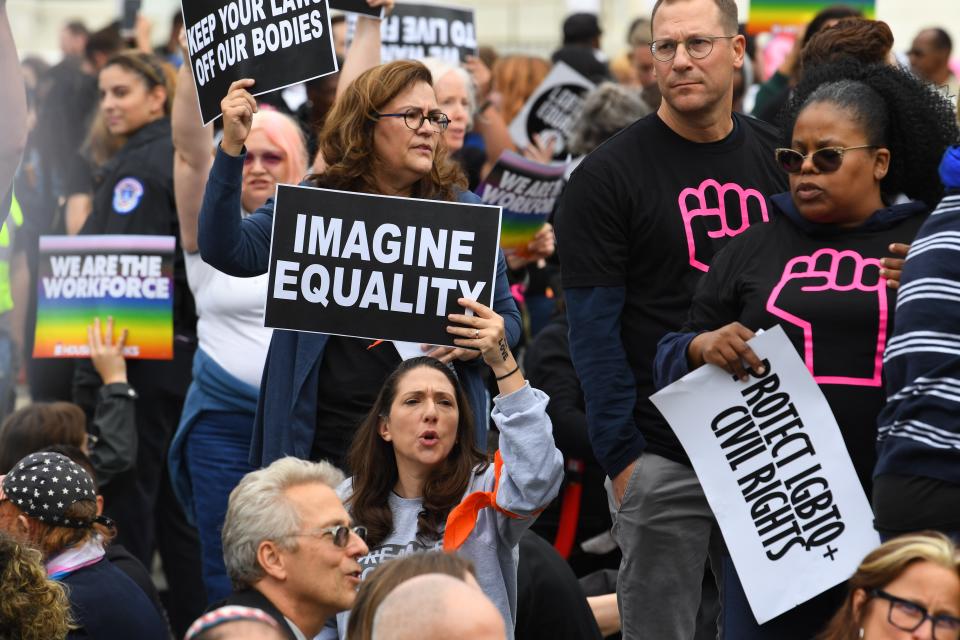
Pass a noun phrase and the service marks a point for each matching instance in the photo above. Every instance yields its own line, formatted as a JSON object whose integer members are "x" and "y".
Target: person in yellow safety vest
{"x": 9, "y": 359}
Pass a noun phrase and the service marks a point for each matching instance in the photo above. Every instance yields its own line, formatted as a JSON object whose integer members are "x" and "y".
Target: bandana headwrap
{"x": 45, "y": 485}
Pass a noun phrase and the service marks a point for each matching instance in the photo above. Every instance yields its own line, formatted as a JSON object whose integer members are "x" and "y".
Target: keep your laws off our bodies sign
{"x": 278, "y": 43}
{"x": 773, "y": 465}
{"x": 377, "y": 267}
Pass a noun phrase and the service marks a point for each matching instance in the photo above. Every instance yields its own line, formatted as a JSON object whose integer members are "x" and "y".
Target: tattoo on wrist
{"x": 503, "y": 350}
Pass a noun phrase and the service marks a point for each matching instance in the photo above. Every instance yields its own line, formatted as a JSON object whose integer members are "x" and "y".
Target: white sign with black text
{"x": 773, "y": 465}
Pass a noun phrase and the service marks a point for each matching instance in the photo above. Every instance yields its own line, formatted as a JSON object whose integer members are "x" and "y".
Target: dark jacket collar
{"x": 878, "y": 221}
{"x": 148, "y": 133}
{"x": 255, "y": 599}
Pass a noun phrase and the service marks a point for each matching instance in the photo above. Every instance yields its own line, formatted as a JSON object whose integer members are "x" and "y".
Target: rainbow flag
{"x": 527, "y": 192}
{"x": 770, "y": 15}
{"x": 128, "y": 278}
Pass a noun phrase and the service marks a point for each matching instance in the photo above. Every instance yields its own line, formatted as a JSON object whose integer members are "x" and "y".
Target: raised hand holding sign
{"x": 277, "y": 43}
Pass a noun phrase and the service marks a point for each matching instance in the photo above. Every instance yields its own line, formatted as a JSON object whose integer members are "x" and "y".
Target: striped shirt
{"x": 919, "y": 429}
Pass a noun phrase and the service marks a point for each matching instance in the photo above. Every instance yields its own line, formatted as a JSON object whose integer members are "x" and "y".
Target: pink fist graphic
{"x": 807, "y": 296}
{"x": 730, "y": 216}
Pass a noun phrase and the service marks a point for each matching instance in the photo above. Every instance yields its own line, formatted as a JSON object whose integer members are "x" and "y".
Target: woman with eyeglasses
{"x": 908, "y": 588}
{"x": 860, "y": 180}
{"x": 420, "y": 482}
{"x": 210, "y": 451}
{"x": 383, "y": 136}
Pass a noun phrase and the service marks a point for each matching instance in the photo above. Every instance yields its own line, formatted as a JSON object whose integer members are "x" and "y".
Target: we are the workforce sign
{"x": 377, "y": 266}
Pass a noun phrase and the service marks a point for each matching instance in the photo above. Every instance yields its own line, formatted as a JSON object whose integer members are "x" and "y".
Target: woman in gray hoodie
{"x": 420, "y": 483}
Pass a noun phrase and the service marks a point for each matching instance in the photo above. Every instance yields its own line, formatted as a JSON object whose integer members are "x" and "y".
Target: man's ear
{"x": 739, "y": 45}
{"x": 271, "y": 560}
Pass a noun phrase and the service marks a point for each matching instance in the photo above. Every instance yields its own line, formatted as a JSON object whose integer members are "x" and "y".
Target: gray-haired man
{"x": 288, "y": 545}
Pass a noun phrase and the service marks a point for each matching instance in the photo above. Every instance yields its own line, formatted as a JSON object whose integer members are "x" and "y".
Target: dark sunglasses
{"x": 340, "y": 534}
{"x": 267, "y": 159}
{"x": 826, "y": 160}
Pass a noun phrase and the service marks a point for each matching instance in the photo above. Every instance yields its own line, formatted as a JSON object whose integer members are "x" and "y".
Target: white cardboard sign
{"x": 773, "y": 465}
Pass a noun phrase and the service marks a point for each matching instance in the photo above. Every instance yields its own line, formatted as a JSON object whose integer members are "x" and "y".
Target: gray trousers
{"x": 667, "y": 533}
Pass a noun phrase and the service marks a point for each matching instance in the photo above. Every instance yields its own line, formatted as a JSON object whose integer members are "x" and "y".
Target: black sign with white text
{"x": 377, "y": 267}
{"x": 278, "y": 43}
{"x": 417, "y": 31}
{"x": 356, "y": 6}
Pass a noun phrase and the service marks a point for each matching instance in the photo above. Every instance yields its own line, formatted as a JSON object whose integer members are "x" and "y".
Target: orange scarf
{"x": 463, "y": 518}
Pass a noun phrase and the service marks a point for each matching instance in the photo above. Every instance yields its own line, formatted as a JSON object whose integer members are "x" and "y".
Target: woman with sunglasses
{"x": 906, "y": 589}
{"x": 383, "y": 136}
{"x": 420, "y": 482}
{"x": 210, "y": 451}
{"x": 859, "y": 182}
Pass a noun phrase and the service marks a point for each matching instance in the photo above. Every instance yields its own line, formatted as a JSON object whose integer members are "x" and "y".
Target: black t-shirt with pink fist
{"x": 821, "y": 284}
{"x": 647, "y": 211}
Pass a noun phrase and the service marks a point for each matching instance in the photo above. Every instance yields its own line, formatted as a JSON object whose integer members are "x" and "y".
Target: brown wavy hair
{"x": 882, "y": 566}
{"x": 516, "y": 78}
{"x": 346, "y": 139}
{"x": 390, "y": 575}
{"x": 32, "y": 607}
{"x": 374, "y": 464}
{"x": 51, "y": 540}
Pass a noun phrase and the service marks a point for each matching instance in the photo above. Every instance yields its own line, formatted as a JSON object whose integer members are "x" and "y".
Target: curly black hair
{"x": 897, "y": 111}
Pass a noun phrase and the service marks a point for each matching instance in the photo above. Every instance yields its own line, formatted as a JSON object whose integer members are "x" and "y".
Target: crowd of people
{"x": 519, "y": 482}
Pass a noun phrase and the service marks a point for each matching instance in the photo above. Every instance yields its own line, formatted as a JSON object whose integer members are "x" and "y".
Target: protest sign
{"x": 773, "y": 15}
{"x": 417, "y": 31}
{"x": 357, "y": 6}
{"x": 773, "y": 465}
{"x": 552, "y": 110}
{"x": 278, "y": 43}
{"x": 377, "y": 267}
{"x": 527, "y": 192}
{"x": 129, "y": 278}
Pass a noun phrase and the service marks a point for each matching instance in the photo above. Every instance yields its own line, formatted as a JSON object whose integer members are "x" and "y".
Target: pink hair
{"x": 284, "y": 132}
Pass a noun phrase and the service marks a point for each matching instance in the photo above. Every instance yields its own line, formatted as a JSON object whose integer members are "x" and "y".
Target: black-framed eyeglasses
{"x": 697, "y": 47}
{"x": 909, "y": 616}
{"x": 340, "y": 534}
{"x": 414, "y": 119}
{"x": 826, "y": 160}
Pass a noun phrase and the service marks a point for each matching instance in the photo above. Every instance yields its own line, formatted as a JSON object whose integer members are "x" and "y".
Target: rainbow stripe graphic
{"x": 98, "y": 276}
{"x": 525, "y": 210}
{"x": 769, "y": 15}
